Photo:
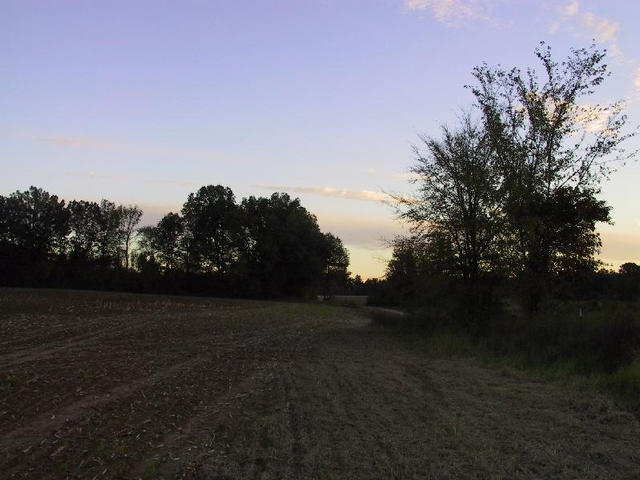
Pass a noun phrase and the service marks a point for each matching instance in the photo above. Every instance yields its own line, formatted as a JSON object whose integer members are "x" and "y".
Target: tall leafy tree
{"x": 553, "y": 150}
{"x": 336, "y": 264}
{"x": 130, "y": 217}
{"x": 406, "y": 270}
{"x": 97, "y": 232}
{"x": 457, "y": 203}
{"x": 84, "y": 222}
{"x": 34, "y": 223}
{"x": 164, "y": 243}
{"x": 212, "y": 219}
{"x": 284, "y": 248}
{"x": 110, "y": 234}
{"x": 5, "y": 223}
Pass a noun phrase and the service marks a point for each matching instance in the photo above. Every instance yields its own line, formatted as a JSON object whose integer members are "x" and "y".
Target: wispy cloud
{"x": 78, "y": 142}
{"x": 364, "y": 195}
{"x": 588, "y": 24}
{"x": 571, "y": 9}
{"x": 604, "y": 30}
{"x": 452, "y": 12}
{"x": 596, "y": 118}
{"x": 140, "y": 149}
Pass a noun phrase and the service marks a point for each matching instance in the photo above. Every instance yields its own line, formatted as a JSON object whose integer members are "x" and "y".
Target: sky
{"x": 142, "y": 102}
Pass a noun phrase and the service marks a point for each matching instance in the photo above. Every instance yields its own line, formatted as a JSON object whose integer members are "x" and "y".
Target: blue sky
{"x": 144, "y": 101}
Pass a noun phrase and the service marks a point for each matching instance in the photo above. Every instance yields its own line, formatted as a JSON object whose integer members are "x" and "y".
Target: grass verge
{"x": 587, "y": 345}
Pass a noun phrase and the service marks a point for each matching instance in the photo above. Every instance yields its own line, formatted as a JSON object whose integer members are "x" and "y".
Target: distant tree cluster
{"x": 270, "y": 246}
{"x": 511, "y": 192}
{"x": 260, "y": 247}
{"x": 43, "y": 239}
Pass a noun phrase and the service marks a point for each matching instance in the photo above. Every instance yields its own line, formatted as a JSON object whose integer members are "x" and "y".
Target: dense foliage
{"x": 510, "y": 196}
{"x": 260, "y": 247}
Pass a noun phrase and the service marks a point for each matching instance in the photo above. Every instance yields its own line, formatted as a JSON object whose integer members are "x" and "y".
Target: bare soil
{"x": 106, "y": 385}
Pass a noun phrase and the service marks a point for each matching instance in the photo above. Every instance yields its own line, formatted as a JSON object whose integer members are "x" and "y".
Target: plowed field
{"x": 106, "y": 385}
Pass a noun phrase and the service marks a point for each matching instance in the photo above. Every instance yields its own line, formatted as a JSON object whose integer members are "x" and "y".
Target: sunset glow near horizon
{"x": 143, "y": 102}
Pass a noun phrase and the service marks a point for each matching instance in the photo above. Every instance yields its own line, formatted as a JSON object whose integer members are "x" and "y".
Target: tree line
{"x": 508, "y": 198}
{"x": 260, "y": 247}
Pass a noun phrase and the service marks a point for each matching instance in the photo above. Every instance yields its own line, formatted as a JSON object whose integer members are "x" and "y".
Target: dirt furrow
{"x": 201, "y": 388}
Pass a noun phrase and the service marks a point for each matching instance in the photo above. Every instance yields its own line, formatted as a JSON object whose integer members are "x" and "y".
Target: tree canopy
{"x": 513, "y": 190}
{"x": 262, "y": 246}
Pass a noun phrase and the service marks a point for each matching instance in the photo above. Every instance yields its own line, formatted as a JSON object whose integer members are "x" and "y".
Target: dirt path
{"x": 197, "y": 388}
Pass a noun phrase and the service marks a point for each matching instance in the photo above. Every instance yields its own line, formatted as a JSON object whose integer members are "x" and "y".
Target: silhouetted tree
{"x": 33, "y": 231}
{"x": 266, "y": 247}
{"x": 458, "y": 205}
{"x": 212, "y": 218}
{"x": 85, "y": 230}
{"x": 35, "y": 223}
{"x": 336, "y": 264}
{"x": 284, "y": 249}
{"x": 130, "y": 217}
{"x": 552, "y": 150}
{"x": 163, "y": 244}
{"x": 628, "y": 287}
{"x": 422, "y": 269}
{"x": 630, "y": 268}
{"x": 405, "y": 270}
{"x": 356, "y": 286}
{"x": 574, "y": 213}
{"x": 110, "y": 234}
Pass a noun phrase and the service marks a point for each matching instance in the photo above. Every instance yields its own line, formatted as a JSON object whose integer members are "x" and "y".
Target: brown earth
{"x": 104, "y": 385}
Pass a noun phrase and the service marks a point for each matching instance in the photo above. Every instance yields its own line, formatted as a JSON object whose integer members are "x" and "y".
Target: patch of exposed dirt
{"x": 104, "y": 385}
